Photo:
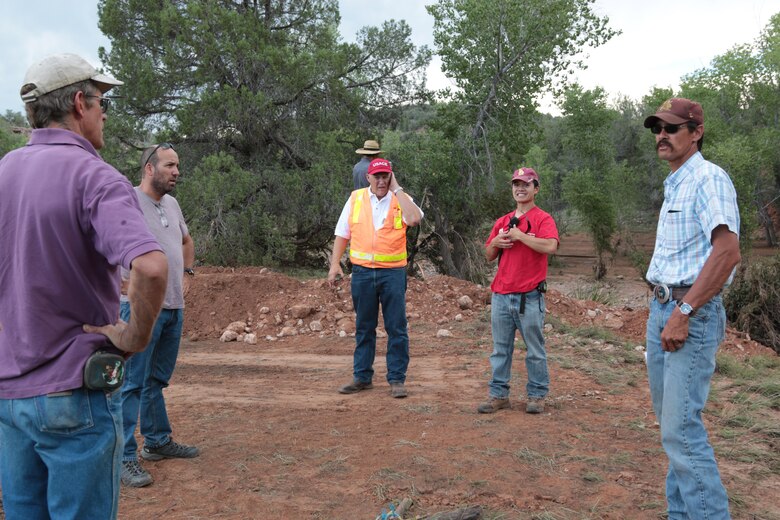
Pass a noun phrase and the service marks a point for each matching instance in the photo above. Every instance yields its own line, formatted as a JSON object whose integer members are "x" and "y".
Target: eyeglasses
{"x": 104, "y": 102}
{"x": 670, "y": 129}
{"x": 161, "y": 212}
{"x": 164, "y": 146}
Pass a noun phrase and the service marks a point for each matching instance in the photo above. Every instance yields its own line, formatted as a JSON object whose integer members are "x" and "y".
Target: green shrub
{"x": 753, "y": 301}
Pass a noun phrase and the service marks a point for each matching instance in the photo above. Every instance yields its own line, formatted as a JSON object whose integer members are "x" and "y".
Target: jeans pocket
{"x": 64, "y": 414}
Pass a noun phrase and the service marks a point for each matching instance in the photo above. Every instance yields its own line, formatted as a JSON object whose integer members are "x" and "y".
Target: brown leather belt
{"x": 664, "y": 293}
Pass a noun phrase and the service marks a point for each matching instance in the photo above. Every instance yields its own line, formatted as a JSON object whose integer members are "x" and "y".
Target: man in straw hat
{"x": 68, "y": 221}
{"x": 696, "y": 251}
{"x": 369, "y": 152}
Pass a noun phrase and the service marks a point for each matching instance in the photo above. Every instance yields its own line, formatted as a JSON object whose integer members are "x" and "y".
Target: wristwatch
{"x": 190, "y": 271}
{"x": 686, "y": 309}
{"x": 395, "y": 191}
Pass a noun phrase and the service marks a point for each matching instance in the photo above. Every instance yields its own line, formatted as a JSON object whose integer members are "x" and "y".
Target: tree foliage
{"x": 501, "y": 56}
{"x": 266, "y": 85}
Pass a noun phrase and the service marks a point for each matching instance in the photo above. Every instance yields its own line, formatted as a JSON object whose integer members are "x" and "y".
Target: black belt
{"x": 664, "y": 293}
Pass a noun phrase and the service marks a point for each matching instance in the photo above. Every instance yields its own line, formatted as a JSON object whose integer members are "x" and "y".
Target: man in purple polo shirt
{"x": 67, "y": 221}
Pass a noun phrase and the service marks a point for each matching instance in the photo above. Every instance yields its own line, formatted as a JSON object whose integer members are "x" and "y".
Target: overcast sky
{"x": 660, "y": 42}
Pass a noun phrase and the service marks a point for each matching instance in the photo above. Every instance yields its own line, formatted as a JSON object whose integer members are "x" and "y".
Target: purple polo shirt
{"x": 67, "y": 220}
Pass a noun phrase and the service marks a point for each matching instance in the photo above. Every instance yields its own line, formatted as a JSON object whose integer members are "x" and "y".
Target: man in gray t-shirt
{"x": 147, "y": 374}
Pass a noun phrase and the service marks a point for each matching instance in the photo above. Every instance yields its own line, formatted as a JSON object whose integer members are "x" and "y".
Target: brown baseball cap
{"x": 525, "y": 175}
{"x": 676, "y": 111}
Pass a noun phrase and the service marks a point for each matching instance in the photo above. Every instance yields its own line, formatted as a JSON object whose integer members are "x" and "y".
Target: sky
{"x": 651, "y": 51}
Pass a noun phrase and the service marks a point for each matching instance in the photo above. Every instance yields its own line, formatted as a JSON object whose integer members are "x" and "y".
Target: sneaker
{"x": 493, "y": 404}
{"x": 172, "y": 450}
{"x": 134, "y": 475}
{"x": 535, "y": 405}
{"x": 355, "y": 387}
{"x": 397, "y": 390}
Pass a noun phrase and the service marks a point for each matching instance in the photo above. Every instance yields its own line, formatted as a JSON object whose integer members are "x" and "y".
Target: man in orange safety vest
{"x": 374, "y": 222}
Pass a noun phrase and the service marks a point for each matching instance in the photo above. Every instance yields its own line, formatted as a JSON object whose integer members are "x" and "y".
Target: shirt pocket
{"x": 678, "y": 228}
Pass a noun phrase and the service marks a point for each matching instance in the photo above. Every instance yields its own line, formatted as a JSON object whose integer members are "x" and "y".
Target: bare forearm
{"x": 412, "y": 213}
{"x": 724, "y": 257}
{"x": 148, "y": 280}
{"x": 547, "y": 246}
{"x": 188, "y": 251}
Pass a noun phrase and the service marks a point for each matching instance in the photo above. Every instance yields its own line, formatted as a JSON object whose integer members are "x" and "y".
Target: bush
{"x": 753, "y": 301}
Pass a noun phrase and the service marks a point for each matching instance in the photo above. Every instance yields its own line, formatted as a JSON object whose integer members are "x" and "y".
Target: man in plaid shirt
{"x": 696, "y": 251}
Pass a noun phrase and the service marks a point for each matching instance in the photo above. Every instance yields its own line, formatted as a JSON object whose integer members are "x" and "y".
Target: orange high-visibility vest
{"x": 385, "y": 247}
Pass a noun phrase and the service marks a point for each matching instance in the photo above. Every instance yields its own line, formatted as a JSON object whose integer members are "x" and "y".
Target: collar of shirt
{"x": 379, "y": 208}
{"x": 676, "y": 177}
{"x": 60, "y": 136}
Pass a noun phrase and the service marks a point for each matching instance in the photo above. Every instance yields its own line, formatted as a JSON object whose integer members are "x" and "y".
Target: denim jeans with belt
{"x": 505, "y": 319}
{"x": 679, "y": 386}
{"x": 370, "y": 288}
{"x": 59, "y": 455}
{"x": 146, "y": 375}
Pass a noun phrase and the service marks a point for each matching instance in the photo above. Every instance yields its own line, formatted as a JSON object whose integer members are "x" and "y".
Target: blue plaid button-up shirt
{"x": 698, "y": 197}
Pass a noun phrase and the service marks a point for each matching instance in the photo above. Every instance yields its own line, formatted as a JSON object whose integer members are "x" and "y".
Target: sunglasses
{"x": 163, "y": 217}
{"x": 164, "y": 146}
{"x": 670, "y": 129}
{"x": 104, "y": 102}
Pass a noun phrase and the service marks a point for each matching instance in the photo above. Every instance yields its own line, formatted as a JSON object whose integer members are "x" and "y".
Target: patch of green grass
{"x": 597, "y": 292}
{"x": 592, "y": 477}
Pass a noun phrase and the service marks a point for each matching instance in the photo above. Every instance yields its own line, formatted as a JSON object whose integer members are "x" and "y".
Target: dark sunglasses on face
{"x": 104, "y": 102}
{"x": 164, "y": 146}
{"x": 670, "y": 129}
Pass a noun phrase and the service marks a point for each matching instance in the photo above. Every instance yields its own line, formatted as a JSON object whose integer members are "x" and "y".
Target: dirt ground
{"x": 278, "y": 441}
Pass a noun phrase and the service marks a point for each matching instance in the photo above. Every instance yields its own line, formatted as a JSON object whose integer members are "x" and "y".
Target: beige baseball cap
{"x": 61, "y": 70}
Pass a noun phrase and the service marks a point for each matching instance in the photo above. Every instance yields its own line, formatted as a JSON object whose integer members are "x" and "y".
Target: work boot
{"x": 355, "y": 386}
{"x": 535, "y": 405}
{"x": 172, "y": 450}
{"x": 397, "y": 390}
{"x": 493, "y": 404}
{"x": 134, "y": 475}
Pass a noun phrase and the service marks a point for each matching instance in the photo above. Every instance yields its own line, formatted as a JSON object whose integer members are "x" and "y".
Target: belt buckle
{"x": 662, "y": 293}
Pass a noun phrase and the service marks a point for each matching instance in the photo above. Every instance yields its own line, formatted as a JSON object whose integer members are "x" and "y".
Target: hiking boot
{"x": 355, "y": 387}
{"x": 172, "y": 450}
{"x": 397, "y": 390}
{"x": 134, "y": 475}
{"x": 535, "y": 405}
{"x": 493, "y": 404}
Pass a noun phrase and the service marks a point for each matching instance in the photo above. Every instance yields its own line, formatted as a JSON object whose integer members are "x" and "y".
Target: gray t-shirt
{"x": 166, "y": 223}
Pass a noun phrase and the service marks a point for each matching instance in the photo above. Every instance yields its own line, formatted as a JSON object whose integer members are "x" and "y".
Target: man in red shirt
{"x": 521, "y": 240}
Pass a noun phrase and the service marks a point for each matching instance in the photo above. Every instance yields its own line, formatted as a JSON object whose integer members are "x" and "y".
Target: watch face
{"x": 686, "y": 308}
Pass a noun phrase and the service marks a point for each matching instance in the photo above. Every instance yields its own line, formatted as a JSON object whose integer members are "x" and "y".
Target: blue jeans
{"x": 146, "y": 375}
{"x": 679, "y": 385}
{"x": 505, "y": 319}
{"x": 59, "y": 455}
{"x": 370, "y": 288}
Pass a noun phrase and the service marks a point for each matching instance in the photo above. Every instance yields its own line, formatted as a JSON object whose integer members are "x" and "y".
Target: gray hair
{"x": 57, "y": 105}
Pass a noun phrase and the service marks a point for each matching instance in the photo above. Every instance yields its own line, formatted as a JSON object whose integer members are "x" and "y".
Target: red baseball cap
{"x": 525, "y": 175}
{"x": 676, "y": 111}
{"x": 380, "y": 165}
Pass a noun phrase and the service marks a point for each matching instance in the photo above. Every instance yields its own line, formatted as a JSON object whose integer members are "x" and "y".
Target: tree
{"x": 10, "y": 136}
{"x": 501, "y": 55}
{"x": 265, "y": 93}
{"x": 739, "y": 92}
